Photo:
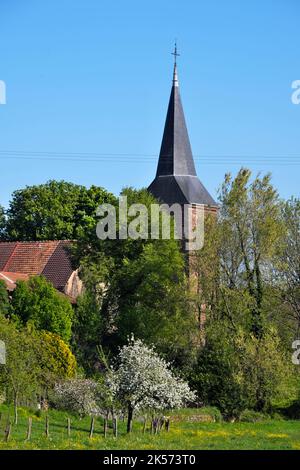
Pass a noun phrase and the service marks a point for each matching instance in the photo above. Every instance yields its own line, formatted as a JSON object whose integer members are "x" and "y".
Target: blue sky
{"x": 94, "y": 77}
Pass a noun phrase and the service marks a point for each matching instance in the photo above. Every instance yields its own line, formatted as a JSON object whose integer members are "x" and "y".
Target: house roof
{"x": 10, "y": 279}
{"x": 176, "y": 179}
{"x": 48, "y": 258}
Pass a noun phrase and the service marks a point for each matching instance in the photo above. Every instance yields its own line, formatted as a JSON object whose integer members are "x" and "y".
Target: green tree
{"x": 151, "y": 294}
{"x": 241, "y": 371}
{"x": 247, "y": 343}
{"x": 4, "y": 300}
{"x": 57, "y": 359}
{"x": 37, "y": 302}
{"x": 87, "y": 328}
{"x": 55, "y": 210}
{"x": 288, "y": 266}
{"x": 2, "y": 223}
{"x": 21, "y": 372}
{"x": 240, "y": 248}
{"x": 141, "y": 289}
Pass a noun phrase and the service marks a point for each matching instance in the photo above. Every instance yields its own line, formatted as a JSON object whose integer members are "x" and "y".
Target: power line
{"x": 153, "y": 155}
{"x": 145, "y": 158}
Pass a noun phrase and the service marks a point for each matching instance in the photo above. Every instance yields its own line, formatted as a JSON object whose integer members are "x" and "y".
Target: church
{"x": 175, "y": 182}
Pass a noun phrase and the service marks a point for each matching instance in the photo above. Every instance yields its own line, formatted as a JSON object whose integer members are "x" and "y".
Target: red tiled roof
{"x": 10, "y": 279}
{"x": 58, "y": 268}
{"x": 5, "y": 253}
{"x": 49, "y": 258}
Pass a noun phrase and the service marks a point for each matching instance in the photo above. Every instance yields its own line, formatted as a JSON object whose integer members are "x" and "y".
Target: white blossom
{"x": 145, "y": 381}
{"x": 78, "y": 396}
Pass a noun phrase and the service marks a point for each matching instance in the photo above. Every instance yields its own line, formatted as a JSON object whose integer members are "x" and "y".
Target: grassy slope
{"x": 183, "y": 434}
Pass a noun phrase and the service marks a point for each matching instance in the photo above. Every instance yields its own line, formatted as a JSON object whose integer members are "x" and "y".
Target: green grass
{"x": 186, "y": 432}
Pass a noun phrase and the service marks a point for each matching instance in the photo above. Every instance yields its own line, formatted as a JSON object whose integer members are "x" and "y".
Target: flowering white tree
{"x": 77, "y": 396}
{"x": 143, "y": 380}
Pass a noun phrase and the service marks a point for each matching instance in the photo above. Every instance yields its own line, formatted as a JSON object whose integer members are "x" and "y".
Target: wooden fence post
{"x": 161, "y": 423}
{"x": 47, "y": 426}
{"x": 92, "y": 427}
{"x": 69, "y": 426}
{"x": 29, "y": 427}
{"x": 167, "y": 424}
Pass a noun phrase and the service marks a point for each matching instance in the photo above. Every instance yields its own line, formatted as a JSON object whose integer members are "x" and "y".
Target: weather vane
{"x": 175, "y": 53}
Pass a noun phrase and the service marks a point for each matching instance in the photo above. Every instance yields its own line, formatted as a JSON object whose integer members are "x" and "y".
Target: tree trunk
{"x": 7, "y": 432}
{"x": 92, "y": 427}
{"x": 47, "y": 426}
{"x": 28, "y": 434}
{"x": 129, "y": 419}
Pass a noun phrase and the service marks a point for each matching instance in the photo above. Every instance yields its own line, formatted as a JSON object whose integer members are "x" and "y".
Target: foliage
{"x": 240, "y": 250}
{"x": 212, "y": 411}
{"x": 58, "y": 360}
{"x": 215, "y": 376}
{"x": 34, "y": 362}
{"x": 288, "y": 262}
{"x": 141, "y": 289}
{"x": 37, "y": 302}
{"x": 184, "y": 434}
{"x": 77, "y": 396}
{"x": 4, "y": 300}
{"x": 293, "y": 411}
{"x": 242, "y": 372}
{"x": 251, "y": 416}
{"x": 144, "y": 381}
{"x": 20, "y": 374}
{"x": 56, "y": 210}
{"x": 2, "y": 222}
{"x": 87, "y": 327}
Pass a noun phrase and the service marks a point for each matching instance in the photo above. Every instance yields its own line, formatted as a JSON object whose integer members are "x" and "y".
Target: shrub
{"x": 293, "y": 411}
{"x": 60, "y": 363}
{"x": 241, "y": 372}
{"x": 212, "y": 411}
{"x": 38, "y": 303}
{"x": 77, "y": 396}
{"x": 251, "y": 416}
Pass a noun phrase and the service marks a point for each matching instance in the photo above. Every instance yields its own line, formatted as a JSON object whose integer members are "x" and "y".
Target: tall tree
{"x": 21, "y": 371}
{"x": 141, "y": 289}
{"x": 240, "y": 248}
{"x": 288, "y": 268}
{"x": 51, "y": 211}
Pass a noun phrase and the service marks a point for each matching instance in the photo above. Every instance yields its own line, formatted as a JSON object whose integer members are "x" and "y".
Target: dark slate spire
{"x": 176, "y": 178}
{"x": 175, "y": 156}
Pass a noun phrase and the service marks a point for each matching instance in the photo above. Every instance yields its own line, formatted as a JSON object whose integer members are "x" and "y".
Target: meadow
{"x": 187, "y": 431}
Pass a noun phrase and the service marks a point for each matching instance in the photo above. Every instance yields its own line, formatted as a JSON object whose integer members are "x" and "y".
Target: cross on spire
{"x": 175, "y": 53}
